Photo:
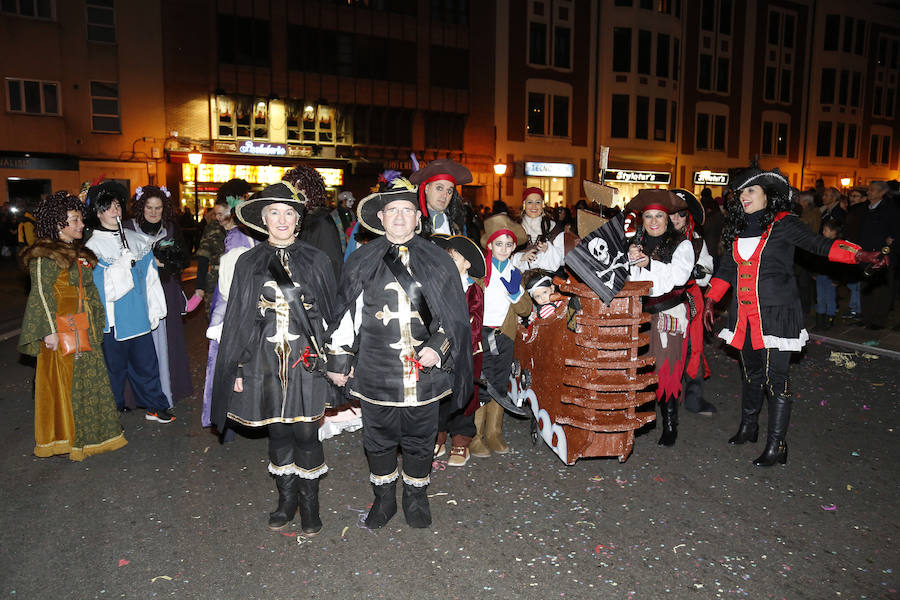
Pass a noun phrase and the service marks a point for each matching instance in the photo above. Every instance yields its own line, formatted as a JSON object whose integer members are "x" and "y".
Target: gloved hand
{"x": 126, "y": 260}
{"x": 872, "y": 257}
{"x": 515, "y": 280}
{"x": 709, "y": 314}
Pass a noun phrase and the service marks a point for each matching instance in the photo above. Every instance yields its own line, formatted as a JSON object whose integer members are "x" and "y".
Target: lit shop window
{"x": 310, "y": 123}
{"x": 32, "y": 97}
{"x": 34, "y": 9}
{"x": 781, "y": 34}
{"x": 550, "y": 33}
{"x": 106, "y": 116}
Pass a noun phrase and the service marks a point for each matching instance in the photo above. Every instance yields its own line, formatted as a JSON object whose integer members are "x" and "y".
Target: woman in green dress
{"x": 74, "y": 410}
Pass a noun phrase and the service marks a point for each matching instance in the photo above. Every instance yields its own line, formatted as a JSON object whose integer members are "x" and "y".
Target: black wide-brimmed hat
{"x": 469, "y": 249}
{"x": 448, "y": 167}
{"x": 774, "y": 181}
{"x": 369, "y": 207}
{"x": 250, "y": 211}
{"x": 650, "y": 199}
{"x": 693, "y": 205}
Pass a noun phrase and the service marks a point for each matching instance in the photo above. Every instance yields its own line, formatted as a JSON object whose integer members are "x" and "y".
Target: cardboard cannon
{"x": 584, "y": 387}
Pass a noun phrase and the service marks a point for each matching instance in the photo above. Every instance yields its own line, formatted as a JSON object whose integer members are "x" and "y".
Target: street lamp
{"x": 500, "y": 170}
{"x": 195, "y": 157}
{"x": 846, "y": 181}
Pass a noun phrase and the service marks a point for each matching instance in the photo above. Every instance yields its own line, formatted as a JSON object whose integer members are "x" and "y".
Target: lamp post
{"x": 195, "y": 157}
{"x": 500, "y": 170}
{"x": 845, "y": 182}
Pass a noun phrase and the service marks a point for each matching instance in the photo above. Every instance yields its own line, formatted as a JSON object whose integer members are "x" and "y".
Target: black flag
{"x": 601, "y": 259}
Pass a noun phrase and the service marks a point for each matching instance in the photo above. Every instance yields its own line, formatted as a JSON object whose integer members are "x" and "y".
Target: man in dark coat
{"x": 879, "y": 229}
{"x": 400, "y": 342}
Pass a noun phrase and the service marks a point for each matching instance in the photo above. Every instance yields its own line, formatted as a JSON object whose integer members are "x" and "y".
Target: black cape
{"x": 310, "y": 268}
{"x": 437, "y": 274}
{"x": 320, "y": 232}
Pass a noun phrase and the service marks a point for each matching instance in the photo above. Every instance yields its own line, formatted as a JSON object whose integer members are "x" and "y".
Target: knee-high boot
{"x": 383, "y": 468}
{"x": 308, "y": 492}
{"x": 779, "y": 417}
{"x": 493, "y": 428}
{"x": 477, "y": 446}
{"x": 416, "y": 477}
{"x": 751, "y": 403}
{"x": 287, "y": 502}
{"x": 669, "y": 413}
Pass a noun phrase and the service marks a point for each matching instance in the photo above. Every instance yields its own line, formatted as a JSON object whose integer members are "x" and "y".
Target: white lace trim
{"x": 416, "y": 481}
{"x": 384, "y": 479}
{"x": 293, "y": 469}
{"x": 773, "y": 341}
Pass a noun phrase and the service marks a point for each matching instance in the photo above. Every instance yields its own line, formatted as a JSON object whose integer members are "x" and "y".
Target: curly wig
{"x": 140, "y": 201}
{"x": 778, "y": 200}
{"x": 308, "y": 180}
{"x": 53, "y": 214}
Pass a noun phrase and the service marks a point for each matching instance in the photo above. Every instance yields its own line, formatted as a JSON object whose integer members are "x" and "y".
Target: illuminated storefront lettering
{"x": 710, "y": 178}
{"x": 545, "y": 169}
{"x": 656, "y": 177}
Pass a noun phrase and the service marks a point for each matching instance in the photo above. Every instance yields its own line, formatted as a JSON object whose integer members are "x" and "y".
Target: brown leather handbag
{"x": 72, "y": 328}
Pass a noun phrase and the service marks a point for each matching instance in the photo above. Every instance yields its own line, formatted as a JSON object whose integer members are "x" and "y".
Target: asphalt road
{"x": 175, "y": 514}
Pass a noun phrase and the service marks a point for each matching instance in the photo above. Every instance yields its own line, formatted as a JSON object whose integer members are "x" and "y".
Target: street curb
{"x": 8, "y": 334}
{"x": 855, "y": 346}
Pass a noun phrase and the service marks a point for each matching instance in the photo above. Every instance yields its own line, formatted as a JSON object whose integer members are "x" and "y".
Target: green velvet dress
{"x": 74, "y": 410}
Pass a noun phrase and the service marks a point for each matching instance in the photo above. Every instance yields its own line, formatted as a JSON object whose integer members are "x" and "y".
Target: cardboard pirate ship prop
{"x": 584, "y": 387}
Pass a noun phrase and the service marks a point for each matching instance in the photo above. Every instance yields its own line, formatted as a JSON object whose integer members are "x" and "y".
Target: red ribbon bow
{"x": 414, "y": 366}
{"x": 306, "y": 355}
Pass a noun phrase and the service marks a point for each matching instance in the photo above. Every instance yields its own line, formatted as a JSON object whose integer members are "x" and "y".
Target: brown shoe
{"x": 476, "y": 446}
{"x": 459, "y": 456}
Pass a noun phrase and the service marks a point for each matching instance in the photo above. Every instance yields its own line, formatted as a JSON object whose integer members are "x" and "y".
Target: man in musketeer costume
{"x": 401, "y": 342}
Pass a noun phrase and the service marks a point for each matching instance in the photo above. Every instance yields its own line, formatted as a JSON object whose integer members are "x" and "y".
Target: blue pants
{"x": 855, "y": 302}
{"x": 134, "y": 359}
{"x": 826, "y": 296}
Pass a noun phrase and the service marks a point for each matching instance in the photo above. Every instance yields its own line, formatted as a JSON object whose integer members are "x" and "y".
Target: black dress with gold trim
{"x": 264, "y": 341}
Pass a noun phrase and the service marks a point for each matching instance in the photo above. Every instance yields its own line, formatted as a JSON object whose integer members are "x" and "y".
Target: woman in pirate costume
{"x": 267, "y": 370}
{"x": 765, "y": 320}
{"x": 545, "y": 249}
{"x": 662, "y": 255}
{"x": 687, "y": 222}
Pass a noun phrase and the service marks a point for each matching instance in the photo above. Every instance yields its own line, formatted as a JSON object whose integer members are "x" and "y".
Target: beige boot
{"x": 493, "y": 428}
{"x": 476, "y": 446}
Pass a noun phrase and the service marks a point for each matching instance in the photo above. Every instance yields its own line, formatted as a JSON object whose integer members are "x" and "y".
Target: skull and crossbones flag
{"x": 601, "y": 259}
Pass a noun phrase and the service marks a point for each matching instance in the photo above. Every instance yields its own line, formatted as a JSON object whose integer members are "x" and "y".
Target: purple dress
{"x": 235, "y": 238}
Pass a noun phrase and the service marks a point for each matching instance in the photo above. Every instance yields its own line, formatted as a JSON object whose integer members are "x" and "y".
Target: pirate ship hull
{"x": 584, "y": 388}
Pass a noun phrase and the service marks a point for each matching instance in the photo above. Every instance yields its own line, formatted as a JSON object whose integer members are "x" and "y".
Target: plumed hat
{"x": 250, "y": 211}
{"x": 369, "y": 207}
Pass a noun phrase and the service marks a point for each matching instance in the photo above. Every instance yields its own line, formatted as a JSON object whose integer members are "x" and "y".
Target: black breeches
{"x": 455, "y": 422}
{"x": 411, "y": 428}
{"x": 766, "y": 368}
{"x": 296, "y": 444}
{"x": 496, "y": 367}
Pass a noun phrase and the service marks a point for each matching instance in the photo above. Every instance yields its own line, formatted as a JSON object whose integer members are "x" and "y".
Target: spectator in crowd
{"x": 878, "y": 230}
{"x": 318, "y": 228}
{"x": 804, "y": 262}
{"x": 856, "y": 211}
{"x": 831, "y": 206}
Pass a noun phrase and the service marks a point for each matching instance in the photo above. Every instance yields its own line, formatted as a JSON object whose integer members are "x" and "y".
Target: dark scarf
{"x": 151, "y": 228}
{"x": 752, "y": 225}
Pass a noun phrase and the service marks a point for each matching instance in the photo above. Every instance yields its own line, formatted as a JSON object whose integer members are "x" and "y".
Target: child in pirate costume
{"x": 442, "y": 210}
{"x": 504, "y": 298}
{"x": 546, "y": 299}
{"x": 765, "y": 320}
{"x": 401, "y": 342}
{"x": 129, "y": 287}
{"x": 661, "y": 255}
{"x": 269, "y": 369}
{"x": 695, "y": 370}
{"x": 461, "y": 424}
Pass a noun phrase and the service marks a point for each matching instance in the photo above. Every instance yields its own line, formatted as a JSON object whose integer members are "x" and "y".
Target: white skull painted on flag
{"x": 599, "y": 249}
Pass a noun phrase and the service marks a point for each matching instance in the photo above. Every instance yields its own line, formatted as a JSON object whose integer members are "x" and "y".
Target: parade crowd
{"x": 399, "y": 312}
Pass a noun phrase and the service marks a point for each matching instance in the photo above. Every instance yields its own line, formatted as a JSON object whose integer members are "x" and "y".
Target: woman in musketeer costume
{"x": 662, "y": 255}
{"x": 765, "y": 320}
{"x": 268, "y": 366}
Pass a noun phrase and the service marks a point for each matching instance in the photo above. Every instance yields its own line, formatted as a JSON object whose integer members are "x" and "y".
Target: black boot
{"x": 669, "y": 413}
{"x": 287, "y": 502}
{"x": 308, "y": 493}
{"x": 820, "y": 322}
{"x": 385, "y": 505}
{"x": 779, "y": 417}
{"x": 415, "y": 506}
{"x": 751, "y": 403}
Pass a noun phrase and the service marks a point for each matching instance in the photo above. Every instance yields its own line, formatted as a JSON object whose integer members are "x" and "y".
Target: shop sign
{"x": 262, "y": 149}
{"x": 224, "y": 146}
{"x": 547, "y": 169}
{"x": 37, "y": 163}
{"x": 710, "y": 178}
{"x": 300, "y": 151}
{"x": 624, "y": 176}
